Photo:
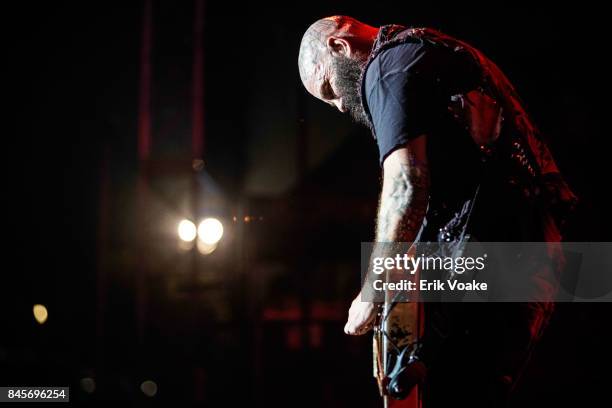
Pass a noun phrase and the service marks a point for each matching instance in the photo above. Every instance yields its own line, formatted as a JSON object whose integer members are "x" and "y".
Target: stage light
{"x": 149, "y": 388}
{"x": 40, "y": 313}
{"x": 187, "y": 231}
{"x": 210, "y": 231}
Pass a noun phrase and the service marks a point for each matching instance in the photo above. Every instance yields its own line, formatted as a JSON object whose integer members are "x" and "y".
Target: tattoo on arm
{"x": 403, "y": 203}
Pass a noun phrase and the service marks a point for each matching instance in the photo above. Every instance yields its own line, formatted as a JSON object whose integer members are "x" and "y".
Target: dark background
{"x": 259, "y": 321}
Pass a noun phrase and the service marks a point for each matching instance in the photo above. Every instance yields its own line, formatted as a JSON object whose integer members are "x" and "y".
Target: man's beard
{"x": 348, "y": 85}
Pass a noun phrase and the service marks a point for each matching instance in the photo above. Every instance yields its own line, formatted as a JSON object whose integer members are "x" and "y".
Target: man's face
{"x": 338, "y": 85}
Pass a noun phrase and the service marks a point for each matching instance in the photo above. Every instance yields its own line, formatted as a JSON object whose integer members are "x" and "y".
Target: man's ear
{"x": 339, "y": 46}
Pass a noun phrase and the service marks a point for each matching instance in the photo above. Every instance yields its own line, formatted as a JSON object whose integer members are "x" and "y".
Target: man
{"x": 460, "y": 157}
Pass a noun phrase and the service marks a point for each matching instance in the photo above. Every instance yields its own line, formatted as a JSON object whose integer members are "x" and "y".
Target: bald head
{"x": 313, "y": 46}
{"x": 325, "y": 44}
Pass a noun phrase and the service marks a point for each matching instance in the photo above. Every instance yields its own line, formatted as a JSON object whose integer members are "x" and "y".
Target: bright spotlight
{"x": 187, "y": 231}
{"x": 40, "y": 313}
{"x": 210, "y": 231}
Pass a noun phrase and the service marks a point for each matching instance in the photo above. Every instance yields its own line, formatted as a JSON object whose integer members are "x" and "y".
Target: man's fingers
{"x": 357, "y": 330}
{"x": 360, "y": 317}
{"x": 350, "y": 329}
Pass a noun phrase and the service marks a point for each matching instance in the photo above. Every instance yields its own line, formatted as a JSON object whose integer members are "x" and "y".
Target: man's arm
{"x": 404, "y": 195}
{"x": 403, "y": 202}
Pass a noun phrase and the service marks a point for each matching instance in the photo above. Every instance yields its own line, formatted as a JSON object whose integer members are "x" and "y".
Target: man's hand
{"x": 361, "y": 317}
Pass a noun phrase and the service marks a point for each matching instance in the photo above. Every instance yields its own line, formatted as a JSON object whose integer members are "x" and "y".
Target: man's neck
{"x": 372, "y": 35}
{"x": 368, "y": 37}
